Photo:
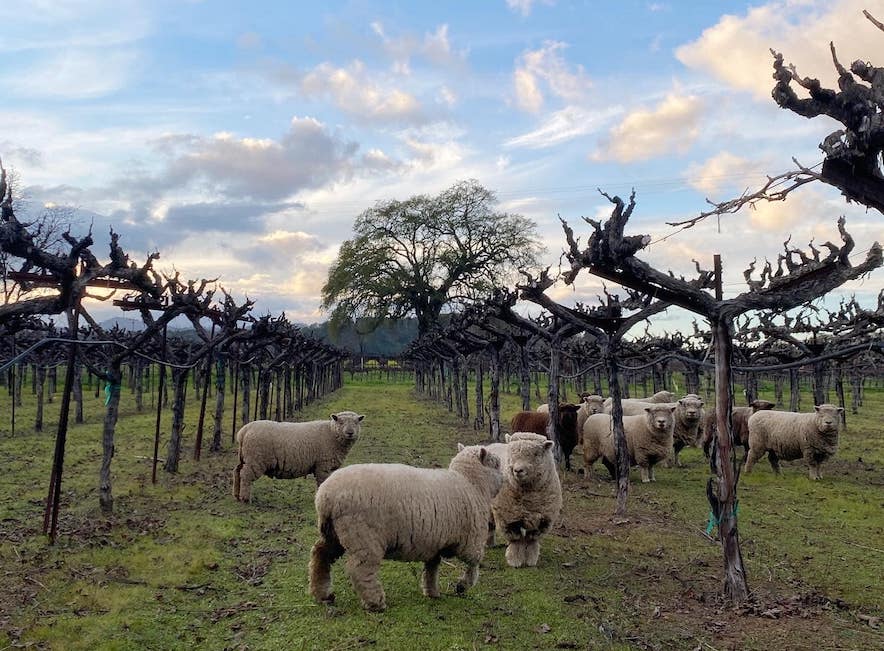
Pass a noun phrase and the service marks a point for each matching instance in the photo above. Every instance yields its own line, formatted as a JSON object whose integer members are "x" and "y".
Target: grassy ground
{"x": 181, "y": 565}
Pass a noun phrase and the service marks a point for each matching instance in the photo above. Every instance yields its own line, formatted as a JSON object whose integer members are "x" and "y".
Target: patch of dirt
{"x": 253, "y": 571}
{"x": 669, "y": 601}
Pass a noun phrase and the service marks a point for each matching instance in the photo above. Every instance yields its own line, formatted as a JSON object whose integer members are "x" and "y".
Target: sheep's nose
{"x": 519, "y": 471}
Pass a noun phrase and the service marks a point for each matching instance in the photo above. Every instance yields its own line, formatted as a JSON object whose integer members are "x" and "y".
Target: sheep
{"x": 739, "y": 423}
{"x": 375, "y": 511}
{"x": 786, "y": 435}
{"x": 532, "y": 421}
{"x": 649, "y": 438}
{"x": 589, "y": 405}
{"x": 598, "y": 443}
{"x": 660, "y": 396}
{"x": 530, "y": 499}
{"x": 289, "y": 450}
{"x": 689, "y": 416}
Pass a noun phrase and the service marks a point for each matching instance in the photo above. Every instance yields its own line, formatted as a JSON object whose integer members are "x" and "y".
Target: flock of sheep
{"x": 376, "y": 511}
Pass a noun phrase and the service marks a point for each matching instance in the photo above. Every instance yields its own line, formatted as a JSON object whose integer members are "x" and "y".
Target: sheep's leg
{"x": 612, "y": 469}
{"x": 754, "y": 455}
{"x": 774, "y": 461}
{"x": 247, "y": 475}
{"x": 323, "y": 554}
{"x": 236, "y": 480}
{"x": 469, "y": 577}
{"x": 588, "y": 459}
{"x": 651, "y": 472}
{"x": 516, "y": 552}
{"x": 362, "y": 568}
{"x": 645, "y": 473}
{"x": 430, "y": 577}
{"x": 532, "y": 552}
{"x": 320, "y": 476}
{"x": 677, "y": 447}
{"x": 489, "y": 542}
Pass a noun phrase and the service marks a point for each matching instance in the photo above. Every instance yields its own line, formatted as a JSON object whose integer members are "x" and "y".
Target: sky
{"x": 242, "y": 140}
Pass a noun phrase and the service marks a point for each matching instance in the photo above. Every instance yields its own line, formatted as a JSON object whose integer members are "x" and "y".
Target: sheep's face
{"x": 691, "y": 408}
{"x": 347, "y": 425}
{"x": 661, "y": 419}
{"x": 593, "y": 404}
{"x": 529, "y": 460}
{"x": 828, "y": 418}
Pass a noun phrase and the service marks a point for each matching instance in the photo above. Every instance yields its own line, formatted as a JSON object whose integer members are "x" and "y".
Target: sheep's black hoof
{"x": 460, "y": 589}
{"x": 329, "y": 600}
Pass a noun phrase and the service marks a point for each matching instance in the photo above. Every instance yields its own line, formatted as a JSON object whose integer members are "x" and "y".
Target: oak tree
{"x": 418, "y": 256}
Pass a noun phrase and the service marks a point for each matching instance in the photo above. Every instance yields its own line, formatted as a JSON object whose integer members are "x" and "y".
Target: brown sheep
{"x": 532, "y": 421}
{"x": 739, "y": 422}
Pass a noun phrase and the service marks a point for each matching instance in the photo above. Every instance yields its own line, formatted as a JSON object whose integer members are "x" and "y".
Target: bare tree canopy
{"x": 415, "y": 257}
{"x": 852, "y": 160}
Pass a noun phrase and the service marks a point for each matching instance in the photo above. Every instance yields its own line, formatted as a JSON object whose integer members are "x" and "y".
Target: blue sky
{"x": 242, "y": 139}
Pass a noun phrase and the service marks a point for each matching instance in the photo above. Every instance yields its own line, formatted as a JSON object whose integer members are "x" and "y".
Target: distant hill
{"x": 388, "y": 340}
{"x": 124, "y": 323}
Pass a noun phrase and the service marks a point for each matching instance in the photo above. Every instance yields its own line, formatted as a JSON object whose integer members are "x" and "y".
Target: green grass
{"x": 180, "y": 564}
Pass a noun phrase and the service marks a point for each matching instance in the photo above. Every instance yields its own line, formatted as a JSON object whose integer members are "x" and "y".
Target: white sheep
{"x": 530, "y": 500}
{"x": 598, "y": 443}
{"x": 591, "y": 404}
{"x": 648, "y": 439}
{"x": 659, "y": 397}
{"x": 374, "y": 511}
{"x": 785, "y": 435}
{"x": 689, "y": 415}
{"x": 287, "y": 450}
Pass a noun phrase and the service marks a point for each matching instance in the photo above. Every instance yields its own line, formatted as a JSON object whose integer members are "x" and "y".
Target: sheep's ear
{"x": 361, "y": 417}
{"x": 483, "y": 454}
{"x": 816, "y": 407}
{"x": 460, "y": 447}
{"x": 506, "y": 437}
{"x": 673, "y": 407}
{"x": 334, "y": 417}
{"x": 681, "y": 402}
{"x": 648, "y": 409}
{"x": 840, "y": 410}
{"x": 547, "y": 445}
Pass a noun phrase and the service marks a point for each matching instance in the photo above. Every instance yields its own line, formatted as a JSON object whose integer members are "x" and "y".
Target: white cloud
{"x": 736, "y": 50}
{"x": 66, "y": 25}
{"x": 354, "y": 93}
{"x": 724, "y": 170}
{"x": 671, "y": 126}
{"x": 447, "y": 96}
{"x": 566, "y": 124}
{"x": 75, "y": 74}
{"x": 435, "y": 47}
{"x": 307, "y": 155}
{"x": 547, "y": 66}
{"x": 524, "y": 6}
{"x": 528, "y": 95}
